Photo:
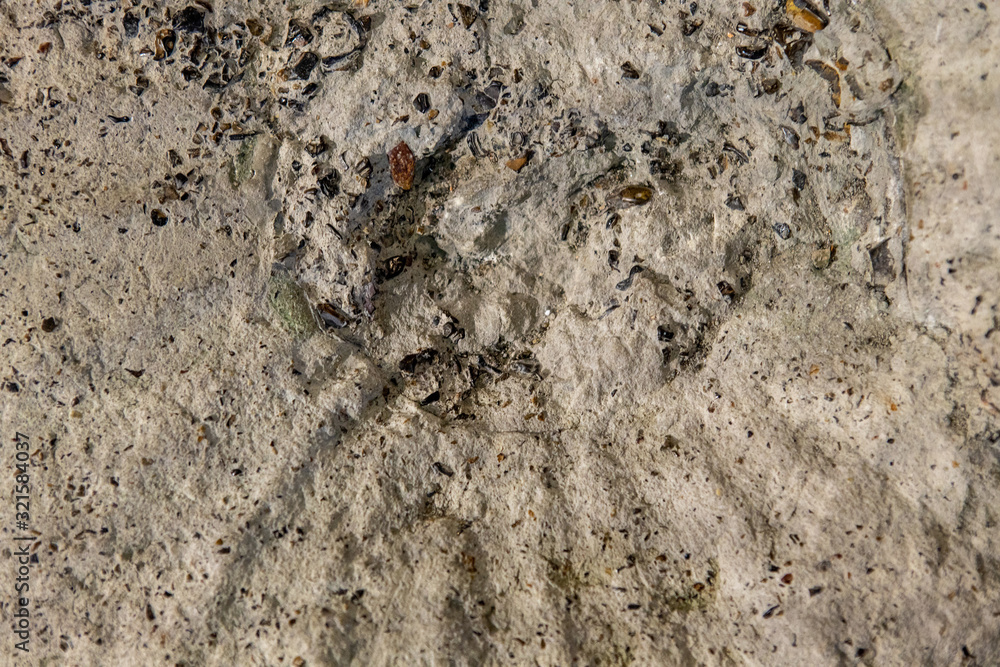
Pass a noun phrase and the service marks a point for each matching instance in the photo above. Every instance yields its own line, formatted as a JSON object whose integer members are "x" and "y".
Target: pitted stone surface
{"x": 681, "y": 348}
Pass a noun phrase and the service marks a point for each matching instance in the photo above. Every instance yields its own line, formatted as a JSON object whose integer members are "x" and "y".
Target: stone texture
{"x": 285, "y": 412}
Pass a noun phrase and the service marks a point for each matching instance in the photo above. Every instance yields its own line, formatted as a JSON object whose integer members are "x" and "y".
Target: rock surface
{"x": 671, "y": 337}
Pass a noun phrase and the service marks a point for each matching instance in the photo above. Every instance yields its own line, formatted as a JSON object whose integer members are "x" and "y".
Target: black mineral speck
{"x": 798, "y": 179}
{"x": 664, "y": 334}
{"x": 190, "y": 19}
{"x": 422, "y": 103}
{"x": 750, "y": 53}
{"x": 735, "y": 203}
{"x": 629, "y": 71}
{"x": 159, "y": 217}
{"x": 431, "y": 398}
{"x": 783, "y": 231}
{"x": 50, "y": 324}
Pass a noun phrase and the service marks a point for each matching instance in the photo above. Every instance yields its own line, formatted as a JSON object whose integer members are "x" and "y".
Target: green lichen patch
{"x": 289, "y": 303}
{"x": 241, "y": 166}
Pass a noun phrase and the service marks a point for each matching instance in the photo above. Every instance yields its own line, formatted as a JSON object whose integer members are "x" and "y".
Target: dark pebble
{"x": 468, "y": 15}
{"x": 798, "y": 179}
{"x": 735, "y": 203}
{"x": 750, "y": 53}
{"x": 432, "y": 398}
{"x": 783, "y": 231}
{"x": 190, "y": 19}
{"x": 330, "y": 184}
{"x": 130, "y": 22}
{"x": 305, "y": 65}
{"x": 422, "y": 103}
{"x": 663, "y": 334}
{"x": 629, "y": 71}
{"x": 49, "y": 324}
{"x": 159, "y": 217}
{"x": 299, "y": 34}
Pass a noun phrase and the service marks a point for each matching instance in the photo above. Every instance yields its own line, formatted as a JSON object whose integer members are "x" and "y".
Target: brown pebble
{"x": 401, "y": 165}
{"x": 805, "y": 16}
{"x": 636, "y": 195}
{"x": 517, "y": 164}
{"x": 821, "y": 258}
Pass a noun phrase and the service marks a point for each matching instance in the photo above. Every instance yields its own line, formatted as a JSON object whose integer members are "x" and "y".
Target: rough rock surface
{"x": 681, "y": 348}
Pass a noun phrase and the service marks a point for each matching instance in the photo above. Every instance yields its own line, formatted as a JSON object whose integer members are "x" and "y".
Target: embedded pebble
{"x": 401, "y": 165}
{"x": 636, "y": 195}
